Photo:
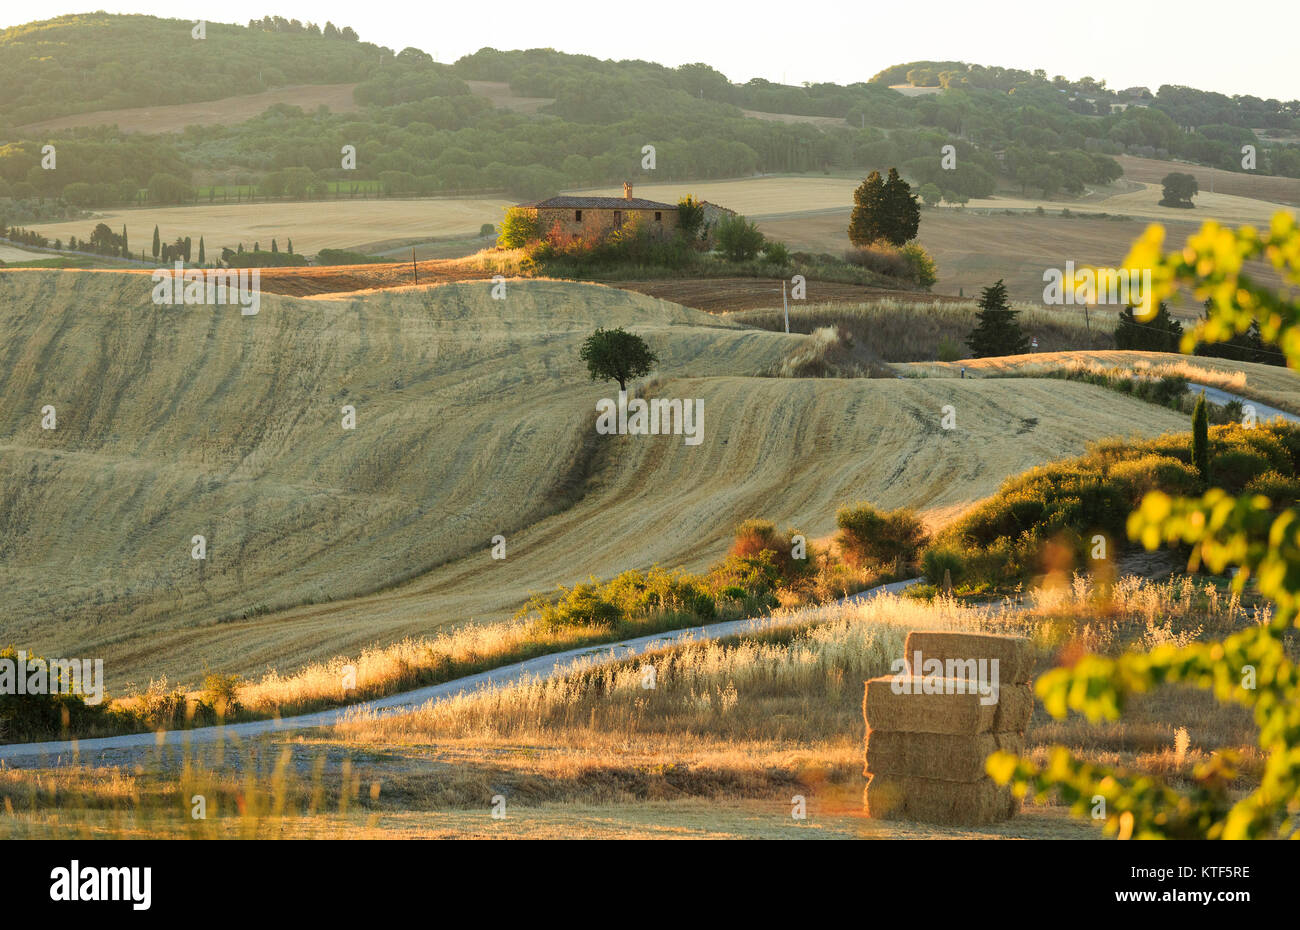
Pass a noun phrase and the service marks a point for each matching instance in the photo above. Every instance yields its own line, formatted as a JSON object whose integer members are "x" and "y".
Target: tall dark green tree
{"x": 1201, "y": 439}
{"x": 202, "y": 254}
{"x": 884, "y": 210}
{"x": 902, "y": 212}
{"x": 1242, "y": 347}
{"x": 1161, "y": 333}
{"x": 618, "y": 355}
{"x": 157, "y": 242}
{"x": 865, "y": 222}
{"x": 996, "y": 331}
{"x": 126, "y": 249}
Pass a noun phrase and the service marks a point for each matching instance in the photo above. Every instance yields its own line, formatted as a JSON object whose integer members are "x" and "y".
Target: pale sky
{"x": 1242, "y": 48}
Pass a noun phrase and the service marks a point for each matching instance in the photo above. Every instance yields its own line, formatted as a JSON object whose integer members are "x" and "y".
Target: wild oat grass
{"x": 726, "y": 689}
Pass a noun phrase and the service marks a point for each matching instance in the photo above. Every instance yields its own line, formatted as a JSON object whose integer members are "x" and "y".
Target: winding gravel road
{"x": 1262, "y": 411}
{"x": 67, "y": 752}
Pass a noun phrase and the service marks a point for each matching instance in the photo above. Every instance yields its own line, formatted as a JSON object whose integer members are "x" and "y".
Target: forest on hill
{"x": 421, "y": 130}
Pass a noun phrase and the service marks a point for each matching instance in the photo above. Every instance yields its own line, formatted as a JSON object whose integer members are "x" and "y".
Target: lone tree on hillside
{"x": 617, "y": 354}
{"x": 1179, "y": 189}
{"x": 884, "y": 209}
{"x": 1162, "y": 333}
{"x": 1201, "y": 439}
{"x": 996, "y": 332}
{"x": 157, "y": 242}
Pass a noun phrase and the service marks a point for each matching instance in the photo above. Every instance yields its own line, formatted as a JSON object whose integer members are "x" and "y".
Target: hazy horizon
{"x": 773, "y": 45}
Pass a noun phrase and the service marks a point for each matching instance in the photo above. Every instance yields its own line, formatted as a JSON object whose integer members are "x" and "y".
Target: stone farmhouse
{"x": 591, "y": 217}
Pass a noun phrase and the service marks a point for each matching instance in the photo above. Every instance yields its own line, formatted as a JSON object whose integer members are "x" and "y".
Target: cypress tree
{"x": 290, "y": 246}
{"x": 902, "y": 213}
{"x": 1162, "y": 333}
{"x": 1201, "y": 439}
{"x": 996, "y": 332}
{"x": 126, "y": 251}
{"x": 202, "y": 256}
{"x": 157, "y": 242}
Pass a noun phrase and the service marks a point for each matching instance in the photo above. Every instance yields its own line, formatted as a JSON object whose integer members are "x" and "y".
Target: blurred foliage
{"x": 1251, "y": 532}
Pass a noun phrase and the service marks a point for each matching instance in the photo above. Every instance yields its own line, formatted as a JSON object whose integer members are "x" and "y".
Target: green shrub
{"x": 519, "y": 228}
{"x": 738, "y": 239}
{"x": 38, "y": 717}
{"x": 776, "y": 253}
{"x": 938, "y": 559}
{"x": 922, "y": 269}
{"x": 948, "y": 351}
{"x": 1281, "y": 490}
{"x": 868, "y": 536}
{"x": 221, "y": 693}
{"x": 581, "y": 605}
{"x": 1233, "y": 469}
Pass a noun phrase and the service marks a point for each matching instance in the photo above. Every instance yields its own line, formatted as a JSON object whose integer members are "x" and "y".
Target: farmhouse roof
{"x": 600, "y": 203}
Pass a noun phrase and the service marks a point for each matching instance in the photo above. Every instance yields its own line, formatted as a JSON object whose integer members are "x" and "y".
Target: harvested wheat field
{"x": 227, "y": 110}
{"x": 474, "y": 417}
{"x": 312, "y": 225}
{"x": 1269, "y": 384}
{"x": 1238, "y": 183}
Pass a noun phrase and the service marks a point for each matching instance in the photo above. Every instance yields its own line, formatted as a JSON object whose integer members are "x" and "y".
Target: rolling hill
{"x": 474, "y": 417}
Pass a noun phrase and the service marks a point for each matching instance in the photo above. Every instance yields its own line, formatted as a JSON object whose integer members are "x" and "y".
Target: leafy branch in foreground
{"x": 1250, "y": 668}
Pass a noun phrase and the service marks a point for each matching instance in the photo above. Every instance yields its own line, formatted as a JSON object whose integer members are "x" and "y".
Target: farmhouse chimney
{"x": 627, "y": 190}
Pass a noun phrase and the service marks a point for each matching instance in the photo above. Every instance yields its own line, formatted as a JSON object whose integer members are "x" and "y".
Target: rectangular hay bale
{"x": 1015, "y": 655}
{"x": 931, "y": 800}
{"x": 914, "y": 711}
{"x": 936, "y": 755}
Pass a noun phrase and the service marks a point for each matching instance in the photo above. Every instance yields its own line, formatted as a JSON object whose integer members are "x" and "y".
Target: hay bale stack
{"x": 930, "y": 729}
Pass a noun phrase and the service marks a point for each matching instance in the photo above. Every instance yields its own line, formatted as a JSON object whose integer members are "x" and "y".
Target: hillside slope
{"x": 474, "y": 417}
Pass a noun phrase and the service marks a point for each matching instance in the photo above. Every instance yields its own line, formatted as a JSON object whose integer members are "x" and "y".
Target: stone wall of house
{"x": 600, "y": 221}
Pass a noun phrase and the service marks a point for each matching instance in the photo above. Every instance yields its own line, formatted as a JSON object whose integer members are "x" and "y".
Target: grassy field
{"x": 730, "y": 733}
{"x": 474, "y": 418}
{"x": 312, "y": 225}
{"x": 227, "y": 111}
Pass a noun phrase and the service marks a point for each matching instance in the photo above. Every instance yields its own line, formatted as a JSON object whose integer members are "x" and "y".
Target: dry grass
{"x": 1269, "y": 384}
{"x": 226, "y": 111}
{"x": 908, "y": 331}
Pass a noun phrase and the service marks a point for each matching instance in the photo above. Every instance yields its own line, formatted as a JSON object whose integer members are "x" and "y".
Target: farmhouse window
{"x": 577, "y": 216}
{"x": 618, "y": 219}
{"x": 658, "y": 217}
